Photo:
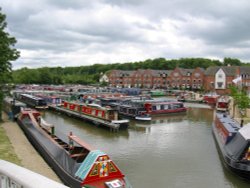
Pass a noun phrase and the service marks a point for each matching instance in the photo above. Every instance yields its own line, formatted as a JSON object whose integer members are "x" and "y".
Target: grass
{"x": 6, "y": 149}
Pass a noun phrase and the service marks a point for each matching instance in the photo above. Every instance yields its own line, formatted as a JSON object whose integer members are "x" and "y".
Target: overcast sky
{"x": 85, "y": 32}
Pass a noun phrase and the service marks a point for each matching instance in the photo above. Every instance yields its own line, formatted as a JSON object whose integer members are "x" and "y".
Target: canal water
{"x": 173, "y": 151}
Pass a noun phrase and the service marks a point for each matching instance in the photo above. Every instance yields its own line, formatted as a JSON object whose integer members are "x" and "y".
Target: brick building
{"x": 245, "y": 75}
{"x": 217, "y": 78}
{"x": 186, "y": 78}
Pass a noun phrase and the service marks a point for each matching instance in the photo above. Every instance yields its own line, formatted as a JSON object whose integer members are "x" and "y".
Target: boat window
{"x": 175, "y": 106}
{"x": 131, "y": 111}
{"x": 99, "y": 113}
{"x": 162, "y": 107}
{"x": 158, "y": 107}
{"x": 153, "y": 108}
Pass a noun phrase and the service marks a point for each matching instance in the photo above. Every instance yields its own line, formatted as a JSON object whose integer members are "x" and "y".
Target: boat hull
{"x": 32, "y": 133}
{"x": 239, "y": 167}
{"x": 158, "y": 112}
{"x": 143, "y": 118}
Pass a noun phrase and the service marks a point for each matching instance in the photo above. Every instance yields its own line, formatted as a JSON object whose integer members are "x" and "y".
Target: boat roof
{"x": 231, "y": 125}
{"x": 81, "y": 142}
{"x": 245, "y": 131}
{"x": 32, "y": 97}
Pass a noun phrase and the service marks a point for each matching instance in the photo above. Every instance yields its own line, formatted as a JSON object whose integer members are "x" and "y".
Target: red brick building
{"x": 217, "y": 78}
{"x": 245, "y": 75}
{"x": 220, "y": 78}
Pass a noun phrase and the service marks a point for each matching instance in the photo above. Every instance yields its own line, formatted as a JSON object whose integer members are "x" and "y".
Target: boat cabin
{"x": 94, "y": 110}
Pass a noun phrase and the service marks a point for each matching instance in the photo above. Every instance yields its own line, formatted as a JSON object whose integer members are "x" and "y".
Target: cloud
{"x": 81, "y": 32}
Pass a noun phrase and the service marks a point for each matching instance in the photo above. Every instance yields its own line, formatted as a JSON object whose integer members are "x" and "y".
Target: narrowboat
{"x": 156, "y": 107}
{"x": 222, "y": 104}
{"x": 144, "y": 109}
{"x": 51, "y": 100}
{"x": 12, "y": 107}
{"x": 157, "y": 93}
{"x": 190, "y": 97}
{"x": 75, "y": 162}
{"x": 233, "y": 142}
{"x": 105, "y": 114}
{"x": 133, "y": 109}
{"x": 33, "y": 101}
{"x": 210, "y": 98}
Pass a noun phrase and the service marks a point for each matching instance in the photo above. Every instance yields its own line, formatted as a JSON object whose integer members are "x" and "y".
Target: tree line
{"x": 91, "y": 74}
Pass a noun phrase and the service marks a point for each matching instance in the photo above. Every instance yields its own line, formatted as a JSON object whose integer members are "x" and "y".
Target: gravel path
{"x": 29, "y": 157}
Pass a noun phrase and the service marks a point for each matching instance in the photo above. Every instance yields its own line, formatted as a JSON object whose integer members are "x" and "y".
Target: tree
{"x": 231, "y": 61}
{"x": 241, "y": 99}
{"x": 7, "y": 53}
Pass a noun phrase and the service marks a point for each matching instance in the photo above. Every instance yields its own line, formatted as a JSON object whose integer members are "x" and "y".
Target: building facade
{"x": 216, "y": 79}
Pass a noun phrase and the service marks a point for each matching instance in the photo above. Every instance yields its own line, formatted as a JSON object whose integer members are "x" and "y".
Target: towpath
{"x": 29, "y": 157}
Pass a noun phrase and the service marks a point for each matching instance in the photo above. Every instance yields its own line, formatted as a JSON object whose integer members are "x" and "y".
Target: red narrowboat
{"x": 74, "y": 161}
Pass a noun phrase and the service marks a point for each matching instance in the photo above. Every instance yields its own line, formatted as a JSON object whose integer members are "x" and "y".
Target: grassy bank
{"x": 6, "y": 149}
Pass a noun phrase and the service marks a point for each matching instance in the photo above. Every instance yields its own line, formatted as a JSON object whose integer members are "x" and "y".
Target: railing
{"x": 14, "y": 176}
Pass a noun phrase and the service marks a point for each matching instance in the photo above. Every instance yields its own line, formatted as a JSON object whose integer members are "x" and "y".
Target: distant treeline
{"x": 91, "y": 74}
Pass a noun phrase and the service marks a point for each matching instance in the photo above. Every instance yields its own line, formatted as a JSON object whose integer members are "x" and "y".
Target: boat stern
{"x": 98, "y": 170}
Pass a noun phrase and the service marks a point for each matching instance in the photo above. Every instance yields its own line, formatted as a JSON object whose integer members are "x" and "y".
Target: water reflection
{"x": 171, "y": 151}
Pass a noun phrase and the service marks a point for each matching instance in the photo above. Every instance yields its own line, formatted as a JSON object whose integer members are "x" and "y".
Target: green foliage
{"x": 240, "y": 97}
{"x": 91, "y": 74}
{"x": 231, "y": 61}
{"x": 6, "y": 150}
{"x": 7, "y": 53}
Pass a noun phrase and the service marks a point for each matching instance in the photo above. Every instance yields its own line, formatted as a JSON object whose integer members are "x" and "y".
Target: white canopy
{"x": 245, "y": 131}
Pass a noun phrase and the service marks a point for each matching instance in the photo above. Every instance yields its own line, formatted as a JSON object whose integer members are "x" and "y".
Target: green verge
{"x": 6, "y": 149}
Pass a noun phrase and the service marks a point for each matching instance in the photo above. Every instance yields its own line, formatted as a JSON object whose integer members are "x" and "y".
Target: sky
{"x": 53, "y": 33}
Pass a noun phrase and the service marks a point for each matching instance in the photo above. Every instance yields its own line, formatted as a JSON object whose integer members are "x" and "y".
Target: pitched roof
{"x": 229, "y": 70}
{"x": 245, "y": 70}
{"x": 159, "y": 73}
{"x": 185, "y": 72}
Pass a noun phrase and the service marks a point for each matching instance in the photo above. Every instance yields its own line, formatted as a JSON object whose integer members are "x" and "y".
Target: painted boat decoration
{"x": 75, "y": 162}
{"x": 233, "y": 143}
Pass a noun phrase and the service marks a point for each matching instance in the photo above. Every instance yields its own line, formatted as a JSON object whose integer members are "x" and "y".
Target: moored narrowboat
{"x": 210, "y": 98}
{"x": 51, "y": 100}
{"x": 74, "y": 161}
{"x": 222, "y": 103}
{"x": 33, "y": 101}
{"x": 155, "y": 107}
{"x": 190, "y": 96}
{"x": 104, "y": 114}
{"x": 12, "y": 107}
{"x": 233, "y": 143}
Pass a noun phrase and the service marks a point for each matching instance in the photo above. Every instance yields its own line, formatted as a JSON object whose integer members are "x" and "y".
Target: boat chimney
{"x": 71, "y": 142}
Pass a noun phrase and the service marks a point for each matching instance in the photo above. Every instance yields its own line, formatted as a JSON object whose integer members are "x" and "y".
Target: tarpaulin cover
{"x": 55, "y": 151}
{"x": 236, "y": 146}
